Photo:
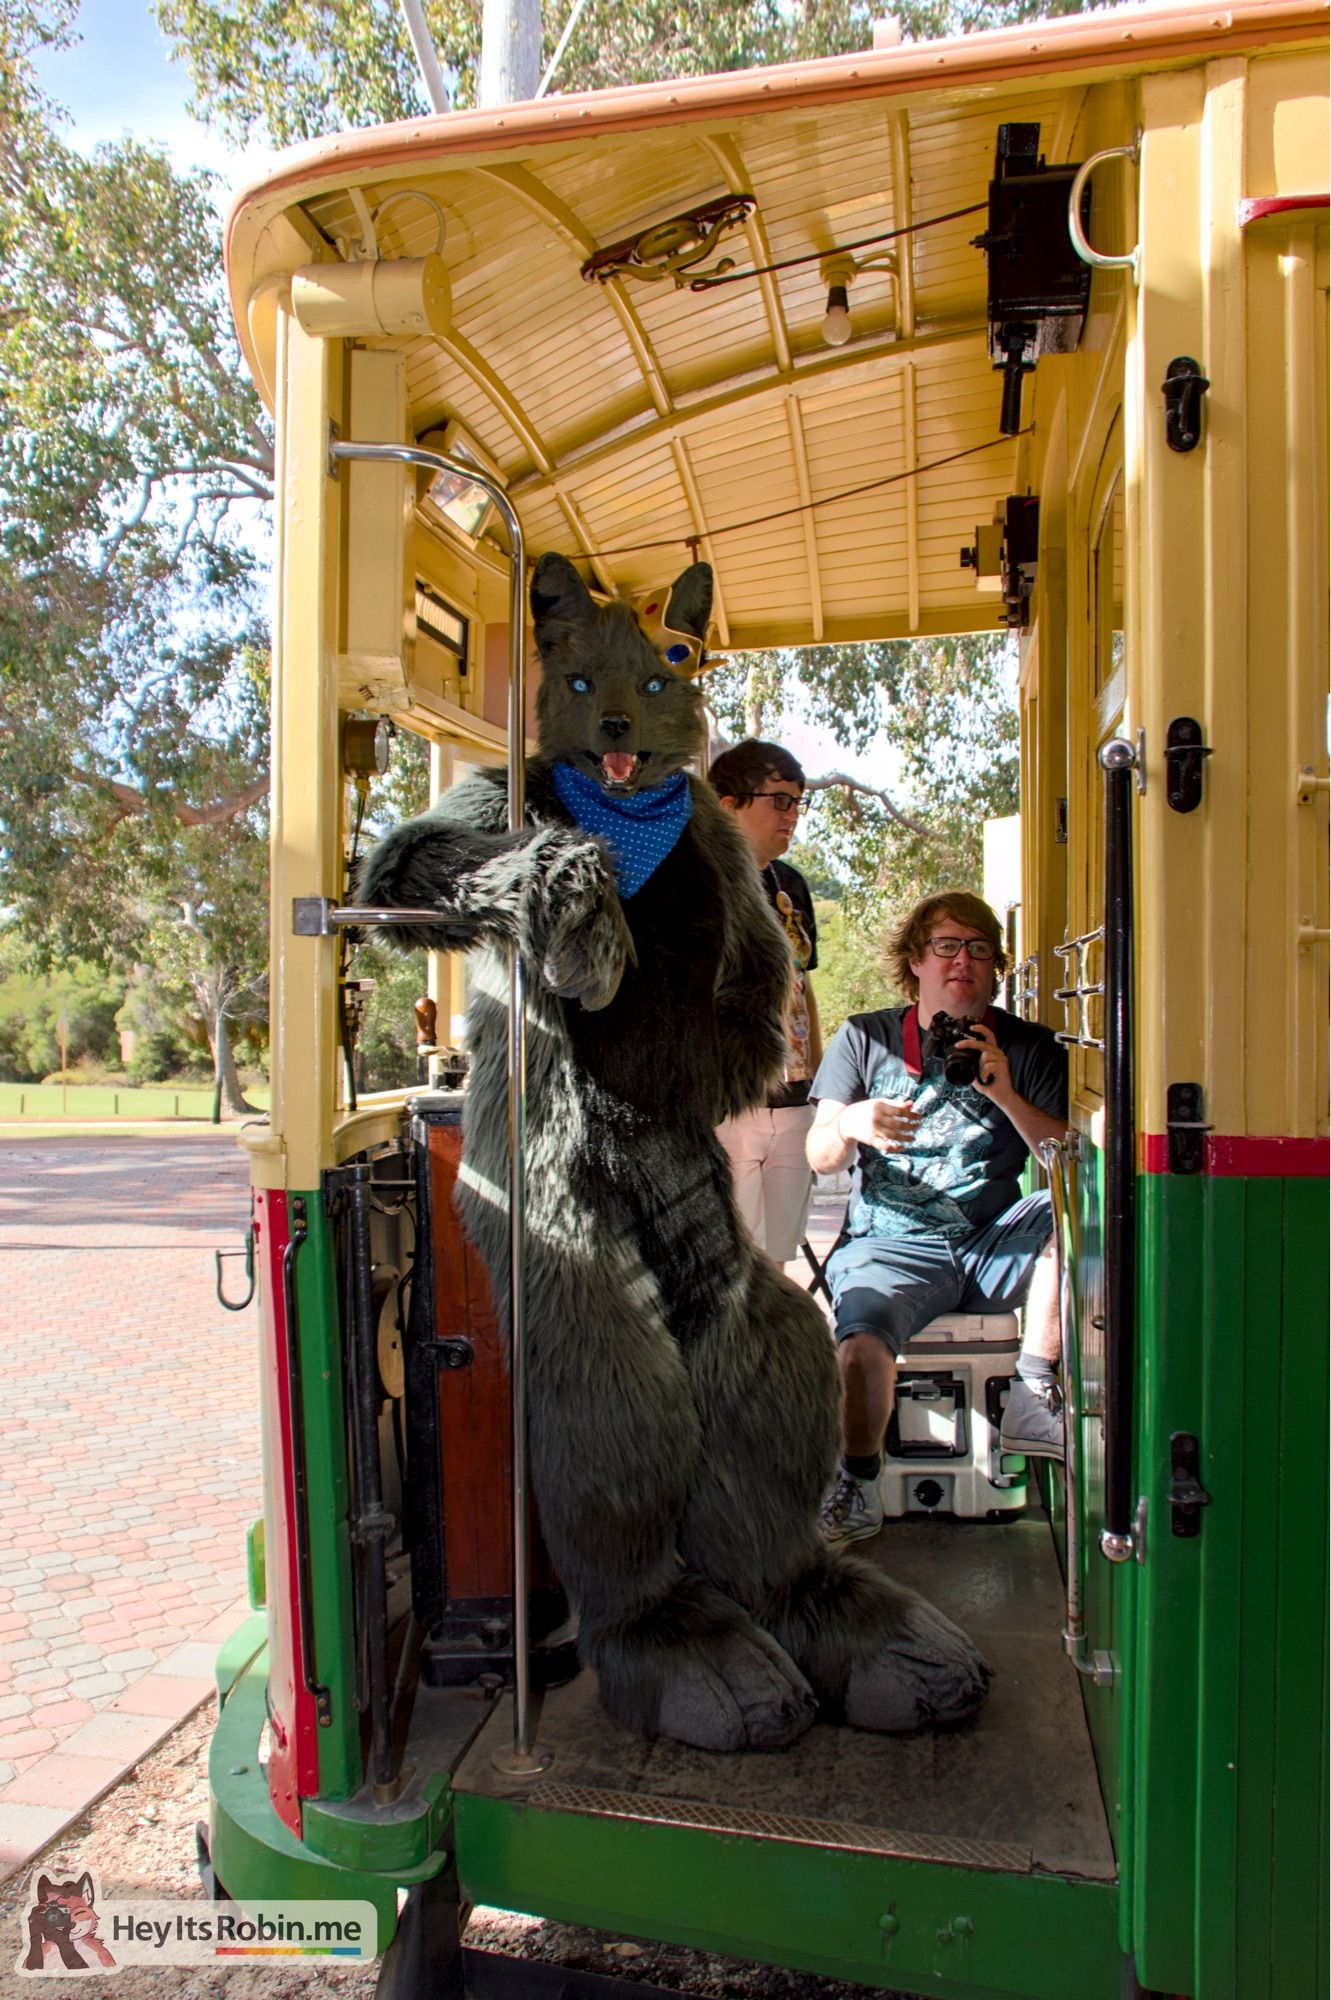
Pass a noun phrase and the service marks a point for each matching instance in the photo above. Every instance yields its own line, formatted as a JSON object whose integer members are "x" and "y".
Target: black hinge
{"x": 1184, "y": 756}
{"x": 1186, "y": 1496}
{"x": 1186, "y": 1127}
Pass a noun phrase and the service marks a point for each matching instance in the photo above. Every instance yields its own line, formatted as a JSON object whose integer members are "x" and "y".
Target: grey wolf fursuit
{"x": 684, "y": 1403}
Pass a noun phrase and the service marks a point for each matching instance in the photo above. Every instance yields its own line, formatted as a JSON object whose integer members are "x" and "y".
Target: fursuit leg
{"x": 615, "y": 1444}
{"x": 875, "y": 1653}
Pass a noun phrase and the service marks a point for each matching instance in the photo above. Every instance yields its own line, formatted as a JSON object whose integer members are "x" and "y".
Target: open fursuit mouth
{"x": 620, "y": 767}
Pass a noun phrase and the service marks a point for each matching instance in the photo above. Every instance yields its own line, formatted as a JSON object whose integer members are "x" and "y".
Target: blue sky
{"x": 118, "y": 79}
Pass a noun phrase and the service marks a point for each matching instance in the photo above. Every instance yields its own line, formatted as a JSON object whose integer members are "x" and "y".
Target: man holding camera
{"x": 938, "y": 1104}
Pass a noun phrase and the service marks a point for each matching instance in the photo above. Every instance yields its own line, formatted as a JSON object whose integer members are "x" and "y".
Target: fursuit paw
{"x": 740, "y": 1692}
{"x": 928, "y": 1672}
{"x": 587, "y": 942}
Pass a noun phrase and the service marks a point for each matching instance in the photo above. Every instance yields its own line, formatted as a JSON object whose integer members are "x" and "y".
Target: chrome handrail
{"x": 1101, "y": 260}
{"x": 1098, "y": 1667}
{"x": 522, "y": 1761}
{"x": 1119, "y": 760}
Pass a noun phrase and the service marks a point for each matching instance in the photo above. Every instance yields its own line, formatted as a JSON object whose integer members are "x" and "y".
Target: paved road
{"x": 129, "y": 1454}
{"x": 129, "y": 1457}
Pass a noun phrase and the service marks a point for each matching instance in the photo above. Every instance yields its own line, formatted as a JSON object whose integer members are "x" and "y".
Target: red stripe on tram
{"x": 1263, "y": 206}
{"x": 1241, "y": 1157}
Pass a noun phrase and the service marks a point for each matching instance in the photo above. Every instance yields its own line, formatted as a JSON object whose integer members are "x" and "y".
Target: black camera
{"x": 960, "y": 1066}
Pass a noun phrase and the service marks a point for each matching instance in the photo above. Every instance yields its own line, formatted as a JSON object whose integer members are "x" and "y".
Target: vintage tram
{"x": 1027, "y": 326}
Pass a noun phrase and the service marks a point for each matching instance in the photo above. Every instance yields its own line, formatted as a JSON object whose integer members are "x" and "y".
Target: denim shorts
{"x": 891, "y": 1286}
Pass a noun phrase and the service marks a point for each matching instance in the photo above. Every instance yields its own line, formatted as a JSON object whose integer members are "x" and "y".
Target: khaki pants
{"x": 773, "y": 1180}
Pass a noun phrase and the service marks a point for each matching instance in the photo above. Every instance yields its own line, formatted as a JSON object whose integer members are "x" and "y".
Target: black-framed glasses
{"x": 783, "y": 802}
{"x": 978, "y": 950}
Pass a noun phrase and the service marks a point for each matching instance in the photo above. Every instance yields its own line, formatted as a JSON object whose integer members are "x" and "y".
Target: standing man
{"x": 937, "y": 1222}
{"x": 762, "y": 786}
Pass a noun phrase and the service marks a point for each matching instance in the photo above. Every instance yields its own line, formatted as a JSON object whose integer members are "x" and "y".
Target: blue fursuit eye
{"x": 654, "y": 685}
{"x": 677, "y": 655}
{"x": 579, "y": 683}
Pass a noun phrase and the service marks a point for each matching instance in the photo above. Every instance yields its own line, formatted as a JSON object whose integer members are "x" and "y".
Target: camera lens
{"x": 961, "y": 1066}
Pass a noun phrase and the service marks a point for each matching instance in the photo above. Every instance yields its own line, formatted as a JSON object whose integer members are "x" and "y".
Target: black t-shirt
{"x": 965, "y": 1162}
{"x": 788, "y": 893}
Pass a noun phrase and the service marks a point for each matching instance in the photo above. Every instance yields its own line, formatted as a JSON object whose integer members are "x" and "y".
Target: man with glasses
{"x": 937, "y": 1222}
{"x": 762, "y": 786}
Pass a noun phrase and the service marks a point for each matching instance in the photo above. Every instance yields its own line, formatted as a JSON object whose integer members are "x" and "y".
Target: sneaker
{"x": 1033, "y": 1420}
{"x": 852, "y": 1510}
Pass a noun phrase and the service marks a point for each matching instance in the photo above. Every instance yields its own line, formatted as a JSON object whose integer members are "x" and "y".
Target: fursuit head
{"x": 684, "y": 1406}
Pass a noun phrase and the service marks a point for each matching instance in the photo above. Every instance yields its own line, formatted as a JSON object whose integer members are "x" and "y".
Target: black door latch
{"x": 1185, "y": 756}
{"x": 1184, "y": 386}
{"x": 1187, "y": 1496}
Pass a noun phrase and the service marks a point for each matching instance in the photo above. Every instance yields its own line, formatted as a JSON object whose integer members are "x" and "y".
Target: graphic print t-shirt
{"x": 965, "y": 1162}
{"x": 788, "y": 893}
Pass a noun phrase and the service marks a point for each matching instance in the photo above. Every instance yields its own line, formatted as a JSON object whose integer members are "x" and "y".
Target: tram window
{"x": 383, "y": 988}
{"x": 1108, "y": 580}
{"x": 438, "y": 623}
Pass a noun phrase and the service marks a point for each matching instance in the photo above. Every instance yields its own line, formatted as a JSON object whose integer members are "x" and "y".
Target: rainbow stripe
{"x": 286, "y": 1951}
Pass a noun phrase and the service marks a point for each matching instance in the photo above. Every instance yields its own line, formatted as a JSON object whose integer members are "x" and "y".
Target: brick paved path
{"x": 129, "y": 1457}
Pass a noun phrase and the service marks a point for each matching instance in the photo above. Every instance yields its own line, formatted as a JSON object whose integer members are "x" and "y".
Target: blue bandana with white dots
{"x": 640, "y": 830}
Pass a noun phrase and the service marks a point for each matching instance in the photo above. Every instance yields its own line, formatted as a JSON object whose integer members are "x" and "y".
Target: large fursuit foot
{"x": 926, "y": 1672}
{"x": 877, "y": 1655}
{"x": 697, "y": 1669}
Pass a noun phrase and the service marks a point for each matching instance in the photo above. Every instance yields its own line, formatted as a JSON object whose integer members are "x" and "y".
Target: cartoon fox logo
{"x": 62, "y": 1928}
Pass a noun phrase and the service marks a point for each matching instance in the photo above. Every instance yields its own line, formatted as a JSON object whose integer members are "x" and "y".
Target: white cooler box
{"x": 942, "y": 1454}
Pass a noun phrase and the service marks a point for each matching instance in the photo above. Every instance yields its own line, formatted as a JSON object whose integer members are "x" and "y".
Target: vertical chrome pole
{"x": 1119, "y": 759}
{"x": 1054, "y": 1157}
{"x": 522, "y": 1761}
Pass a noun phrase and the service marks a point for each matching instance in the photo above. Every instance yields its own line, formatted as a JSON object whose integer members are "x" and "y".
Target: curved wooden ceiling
{"x": 638, "y": 424}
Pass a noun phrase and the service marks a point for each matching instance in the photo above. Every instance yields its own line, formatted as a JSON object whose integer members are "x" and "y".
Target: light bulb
{"x": 836, "y": 320}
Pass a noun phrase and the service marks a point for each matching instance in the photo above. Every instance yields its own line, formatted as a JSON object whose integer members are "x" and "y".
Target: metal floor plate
{"x": 1014, "y": 1789}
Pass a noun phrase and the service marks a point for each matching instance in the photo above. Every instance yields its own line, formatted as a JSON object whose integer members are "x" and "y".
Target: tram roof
{"x": 636, "y": 423}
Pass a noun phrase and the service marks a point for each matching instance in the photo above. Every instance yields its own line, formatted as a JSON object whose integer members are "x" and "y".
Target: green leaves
{"x": 286, "y": 70}
{"x": 941, "y": 716}
{"x": 135, "y": 462}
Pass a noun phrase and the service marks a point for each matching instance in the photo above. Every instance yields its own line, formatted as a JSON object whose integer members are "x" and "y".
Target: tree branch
{"x": 132, "y": 802}
{"x": 849, "y": 784}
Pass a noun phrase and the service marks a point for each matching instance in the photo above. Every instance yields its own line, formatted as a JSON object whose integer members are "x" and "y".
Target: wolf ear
{"x": 691, "y": 601}
{"x": 558, "y": 592}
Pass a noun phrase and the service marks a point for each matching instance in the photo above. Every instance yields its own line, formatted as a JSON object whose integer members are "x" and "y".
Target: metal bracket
{"x": 1186, "y": 1127}
{"x": 1187, "y": 1496}
{"x": 1099, "y": 1668}
{"x": 1185, "y": 755}
{"x": 1184, "y": 386}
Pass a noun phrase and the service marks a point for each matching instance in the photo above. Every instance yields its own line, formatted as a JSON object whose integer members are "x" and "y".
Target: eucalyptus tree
{"x": 135, "y": 462}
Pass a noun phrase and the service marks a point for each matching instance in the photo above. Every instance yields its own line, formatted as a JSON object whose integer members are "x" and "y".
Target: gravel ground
{"x": 140, "y": 1841}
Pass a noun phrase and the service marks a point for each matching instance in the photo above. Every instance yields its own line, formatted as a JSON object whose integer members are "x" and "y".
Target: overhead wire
{"x": 808, "y": 506}
{"x": 709, "y": 281}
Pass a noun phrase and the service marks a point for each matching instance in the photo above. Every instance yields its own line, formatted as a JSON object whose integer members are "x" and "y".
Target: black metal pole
{"x": 372, "y": 1524}
{"x": 1119, "y": 759}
